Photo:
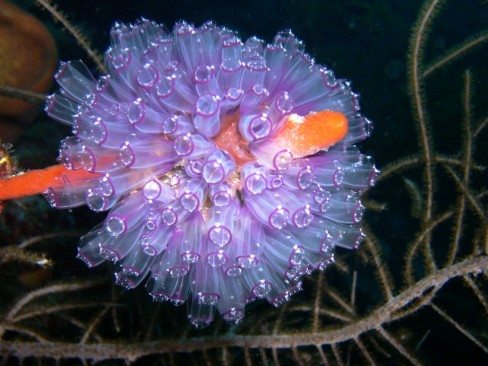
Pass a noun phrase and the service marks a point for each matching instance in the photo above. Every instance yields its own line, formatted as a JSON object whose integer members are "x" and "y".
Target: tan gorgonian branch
{"x": 31, "y": 296}
{"x": 22, "y": 94}
{"x": 456, "y": 52}
{"x": 415, "y": 62}
{"x": 389, "y": 312}
{"x": 75, "y": 32}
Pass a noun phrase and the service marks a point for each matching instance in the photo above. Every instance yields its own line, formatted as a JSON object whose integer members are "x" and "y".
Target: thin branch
{"x": 364, "y": 351}
{"x": 317, "y": 302}
{"x": 476, "y": 290}
{"x": 465, "y": 191}
{"x": 380, "y": 267}
{"x": 19, "y": 305}
{"x": 133, "y": 351}
{"x": 412, "y": 251}
{"x": 398, "y": 346}
{"x": 75, "y": 32}
{"x": 457, "y": 52}
{"x": 459, "y": 327}
{"x": 22, "y": 94}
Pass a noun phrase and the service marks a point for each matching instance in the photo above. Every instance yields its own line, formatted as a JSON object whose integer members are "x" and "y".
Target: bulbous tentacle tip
{"x": 307, "y": 135}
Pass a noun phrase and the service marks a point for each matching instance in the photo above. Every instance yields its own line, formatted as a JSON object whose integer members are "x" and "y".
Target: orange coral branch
{"x": 37, "y": 181}
{"x": 309, "y": 134}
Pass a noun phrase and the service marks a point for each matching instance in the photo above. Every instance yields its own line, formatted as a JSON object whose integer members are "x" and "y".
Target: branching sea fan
{"x": 228, "y": 168}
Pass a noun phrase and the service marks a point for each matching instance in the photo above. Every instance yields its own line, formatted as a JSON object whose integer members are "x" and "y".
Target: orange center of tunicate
{"x": 302, "y": 135}
{"x": 231, "y": 140}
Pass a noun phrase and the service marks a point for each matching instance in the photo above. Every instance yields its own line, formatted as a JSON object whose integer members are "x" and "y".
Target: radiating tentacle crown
{"x": 229, "y": 167}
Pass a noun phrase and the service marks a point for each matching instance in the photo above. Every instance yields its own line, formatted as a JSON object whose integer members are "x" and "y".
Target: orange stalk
{"x": 302, "y": 135}
{"x": 312, "y": 133}
{"x": 38, "y": 181}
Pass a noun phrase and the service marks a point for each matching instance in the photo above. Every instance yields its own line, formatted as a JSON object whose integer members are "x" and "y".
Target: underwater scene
{"x": 243, "y": 183}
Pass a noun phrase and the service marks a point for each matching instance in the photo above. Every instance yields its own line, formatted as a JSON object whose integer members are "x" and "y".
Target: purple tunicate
{"x": 202, "y": 200}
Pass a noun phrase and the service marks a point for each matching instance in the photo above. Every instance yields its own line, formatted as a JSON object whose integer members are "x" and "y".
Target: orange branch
{"x": 312, "y": 133}
{"x": 37, "y": 181}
